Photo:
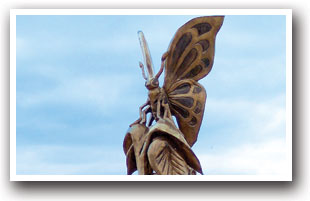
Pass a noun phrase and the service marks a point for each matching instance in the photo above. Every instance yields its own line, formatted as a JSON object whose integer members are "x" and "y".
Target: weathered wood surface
{"x": 156, "y": 145}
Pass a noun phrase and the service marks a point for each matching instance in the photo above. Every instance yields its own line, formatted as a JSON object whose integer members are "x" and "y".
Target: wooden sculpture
{"x": 163, "y": 148}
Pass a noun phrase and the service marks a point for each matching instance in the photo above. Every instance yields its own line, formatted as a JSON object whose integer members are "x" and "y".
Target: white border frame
{"x": 15, "y": 177}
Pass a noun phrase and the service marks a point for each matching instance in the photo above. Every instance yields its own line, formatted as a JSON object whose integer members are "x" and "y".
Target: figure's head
{"x": 152, "y": 83}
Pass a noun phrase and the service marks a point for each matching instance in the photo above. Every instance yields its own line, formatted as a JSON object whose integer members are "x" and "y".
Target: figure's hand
{"x": 135, "y": 122}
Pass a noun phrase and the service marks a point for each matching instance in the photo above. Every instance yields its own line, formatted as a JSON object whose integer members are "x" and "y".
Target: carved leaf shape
{"x": 165, "y": 160}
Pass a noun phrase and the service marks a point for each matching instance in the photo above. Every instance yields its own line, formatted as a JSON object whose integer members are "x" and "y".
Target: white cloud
{"x": 264, "y": 158}
{"x": 31, "y": 48}
{"x": 52, "y": 159}
{"x": 103, "y": 92}
{"x": 262, "y": 74}
{"x": 259, "y": 128}
{"x": 23, "y": 48}
{"x": 257, "y": 118}
{"x": 261, "y": 123}
{"x": 238, "y": 39}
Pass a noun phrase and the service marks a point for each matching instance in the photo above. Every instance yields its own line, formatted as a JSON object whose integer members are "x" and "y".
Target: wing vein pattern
{"x": 191, "y": 57}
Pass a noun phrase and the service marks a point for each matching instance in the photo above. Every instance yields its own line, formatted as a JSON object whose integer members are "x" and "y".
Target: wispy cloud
{"x": 233, "y": 122}
{"x": 254, "y": 111}
{"x": 56, "y": 159}
{"x": 264, "y": 158}
{"x": 103, "y": 92}
{"x": 243, "y": 137}
{"x": 78, "y": 83}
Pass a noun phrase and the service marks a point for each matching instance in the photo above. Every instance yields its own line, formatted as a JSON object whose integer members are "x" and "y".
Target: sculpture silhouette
{"x": 161, "y": 147}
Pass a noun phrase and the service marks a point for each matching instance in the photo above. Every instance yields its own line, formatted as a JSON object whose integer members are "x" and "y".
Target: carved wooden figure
{"x": 162, "y": 147}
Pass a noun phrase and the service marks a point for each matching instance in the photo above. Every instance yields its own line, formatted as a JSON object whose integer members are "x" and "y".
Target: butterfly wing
{"x": 187, "y": 102}
{"x": 190, "y": 58}
{"x": 191, "y": 51}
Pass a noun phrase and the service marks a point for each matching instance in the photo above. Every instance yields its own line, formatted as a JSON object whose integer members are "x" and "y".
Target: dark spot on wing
{"x": 186, "y": 101}
{"x": 188, "y": 60}
{"x": 197, "y": 90}
{"x": 193, "y": 121}
{"x": 206, "y": 61}
{"x": 198, "y": 107}
{"x": 195, "y": 71}
{"x": 202, "y": 28}
{"x": 204, "y": 44}
{"x": 183, "y": 112}
{"x": 180, "y": 46}
{"x": 181, "y": 89}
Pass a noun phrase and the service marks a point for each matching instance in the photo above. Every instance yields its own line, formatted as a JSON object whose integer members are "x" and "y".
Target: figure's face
{"x": 152, "y": 83}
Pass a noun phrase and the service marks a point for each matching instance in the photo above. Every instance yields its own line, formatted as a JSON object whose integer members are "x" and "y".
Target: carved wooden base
{"x": 160, "y": 149}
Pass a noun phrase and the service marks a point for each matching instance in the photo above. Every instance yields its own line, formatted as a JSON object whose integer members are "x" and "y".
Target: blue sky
{"x": 78, "y": 87}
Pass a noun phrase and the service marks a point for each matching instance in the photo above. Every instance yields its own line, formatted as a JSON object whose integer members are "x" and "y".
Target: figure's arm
{"x": 163, "y": 103}
{"x": 143, "y": 106}
{"x": 141, "y": 112}
{"x": 144, "y": 112}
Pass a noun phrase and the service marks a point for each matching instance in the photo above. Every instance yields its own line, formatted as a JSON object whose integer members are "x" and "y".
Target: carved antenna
{"x": 143, "y": 73}
{"x": 146, "y": 55}
{"x": 163, "y": 58}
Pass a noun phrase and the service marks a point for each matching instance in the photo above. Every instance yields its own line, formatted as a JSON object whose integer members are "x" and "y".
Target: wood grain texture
{"x": 164, "y": 148}
{"x": 165, "y": 159}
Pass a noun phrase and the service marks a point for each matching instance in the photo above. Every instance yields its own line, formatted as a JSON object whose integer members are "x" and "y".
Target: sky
{"x": 79, "y": 86}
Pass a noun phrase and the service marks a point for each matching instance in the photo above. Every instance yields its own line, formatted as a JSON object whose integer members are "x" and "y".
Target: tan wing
{"x": 190, "y": 58}
{"x": 191, "y": 52}
{"x": 187, "y": 102}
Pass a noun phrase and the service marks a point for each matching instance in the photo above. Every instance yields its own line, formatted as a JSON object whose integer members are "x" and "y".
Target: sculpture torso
{"x": 154, "y": 95}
